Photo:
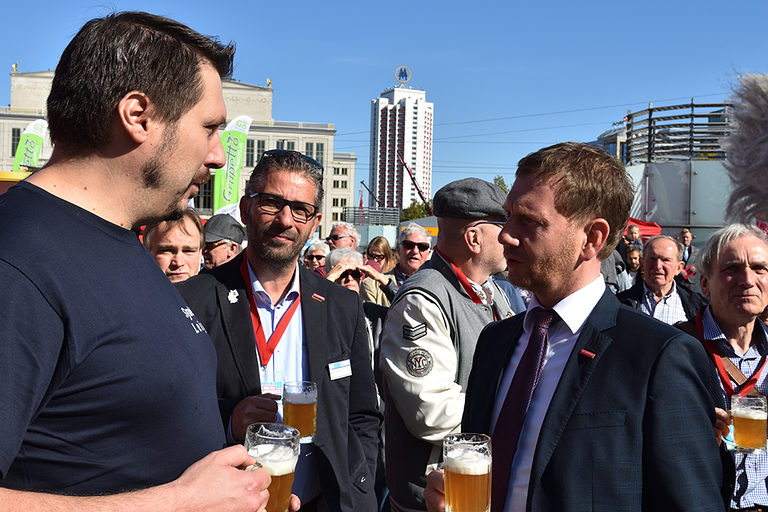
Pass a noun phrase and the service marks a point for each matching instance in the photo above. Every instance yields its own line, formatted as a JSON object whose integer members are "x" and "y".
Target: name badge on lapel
{"x": 340, "y": 369}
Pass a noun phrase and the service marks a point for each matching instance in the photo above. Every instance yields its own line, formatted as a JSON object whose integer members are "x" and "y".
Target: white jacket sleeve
{"x": 419, "y": 362}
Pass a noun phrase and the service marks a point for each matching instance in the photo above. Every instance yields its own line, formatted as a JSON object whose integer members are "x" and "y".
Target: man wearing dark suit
{"x": 658, "y": 293}
{"x": 617, "y": 413}
{"x": 323, "y": 336}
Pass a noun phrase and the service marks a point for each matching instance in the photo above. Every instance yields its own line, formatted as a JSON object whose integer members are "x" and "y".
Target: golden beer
{"x": 749, "y": 428}
{"x": 300, "y": 407}
{"x": 301, "y": 416}
{"x": 468, "y": 485}
{"x": 275, "y": 448}
{"x": 750, "y": 416}
{"x": 280, "y": 463}
{"x": 467, "y": 464}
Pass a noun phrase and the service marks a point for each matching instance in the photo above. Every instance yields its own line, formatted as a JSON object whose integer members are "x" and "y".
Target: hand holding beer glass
{"x": 300, "y": 408}
{"x": 749, "y": 414}
{"x": 467, "y": 465}
{"x": 275, "y": 448}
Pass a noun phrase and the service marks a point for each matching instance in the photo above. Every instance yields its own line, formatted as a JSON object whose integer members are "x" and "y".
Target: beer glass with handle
{"x": 275, "y": 448}
{"x": 750, "y": 415}
{"x": 467, "y": 465}
{"x": 300, "y": 407}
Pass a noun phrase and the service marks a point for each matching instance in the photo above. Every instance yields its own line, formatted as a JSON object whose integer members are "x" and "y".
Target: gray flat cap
{"x": 224, "y": 226}
{"x": 470, "y": 198}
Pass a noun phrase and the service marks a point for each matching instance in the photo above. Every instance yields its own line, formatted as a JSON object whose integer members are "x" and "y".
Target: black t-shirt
{"x": 108, "y": 380}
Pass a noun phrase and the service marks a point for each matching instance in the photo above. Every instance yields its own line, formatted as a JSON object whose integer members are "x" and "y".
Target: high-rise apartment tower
{"x": 401, "y": 122}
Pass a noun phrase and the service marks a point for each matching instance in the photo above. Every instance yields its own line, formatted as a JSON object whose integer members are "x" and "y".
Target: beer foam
{"x": 275, "y": 459}
{"x": 467, "y": 461}
{"x": 300, "y": 397}
{"x": 750, "y": 414}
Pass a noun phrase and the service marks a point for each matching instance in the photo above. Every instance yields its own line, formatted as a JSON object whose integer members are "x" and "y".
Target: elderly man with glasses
{"x": 273, "y": 321}
{"x": 431, "y": 330}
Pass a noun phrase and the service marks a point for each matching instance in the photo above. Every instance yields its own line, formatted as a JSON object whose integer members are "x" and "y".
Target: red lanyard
{"x": 462, "y": 279}
{"x": 265, "y": 348}
{"x": 465, "y": 283}
{"x": 714, "y": 353}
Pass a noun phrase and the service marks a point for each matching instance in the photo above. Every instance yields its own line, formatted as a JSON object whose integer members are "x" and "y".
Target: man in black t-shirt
{"x": 108, "y": 378}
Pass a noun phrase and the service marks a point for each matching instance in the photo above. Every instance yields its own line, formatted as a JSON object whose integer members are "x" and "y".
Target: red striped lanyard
{"x": 714, "y": 353}
{"x": 464, "y": 280}
{"x": 265, "y": 348}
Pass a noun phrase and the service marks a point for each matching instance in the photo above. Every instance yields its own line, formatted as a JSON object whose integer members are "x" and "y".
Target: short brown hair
{"x": 187, "y": 213}
{"x": 590, "y": 183}
{"x": 119, "y": 53}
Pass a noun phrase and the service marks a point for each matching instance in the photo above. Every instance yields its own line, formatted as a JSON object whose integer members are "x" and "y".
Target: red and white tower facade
{"x": 401, "y": 122}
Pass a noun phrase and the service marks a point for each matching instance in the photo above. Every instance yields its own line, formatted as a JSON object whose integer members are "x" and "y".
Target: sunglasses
{"x": 423, "y": 246}
{"x": 336, "y": 237}
{"x": 272, "y": 204}
{"x": 355, "y": 274}
{"x": 316, "y": 257}
{"x": 377, "y": 257}
{"x": 283, "y": 152}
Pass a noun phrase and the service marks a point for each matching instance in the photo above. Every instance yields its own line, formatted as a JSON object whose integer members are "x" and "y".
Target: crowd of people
{"x": 600, "y": 363}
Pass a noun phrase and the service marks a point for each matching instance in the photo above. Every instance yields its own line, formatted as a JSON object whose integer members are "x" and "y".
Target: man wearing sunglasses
{"x": 273, "y": 321}
{"x": 430, "y": 333}
{"x": 343, "y": 234}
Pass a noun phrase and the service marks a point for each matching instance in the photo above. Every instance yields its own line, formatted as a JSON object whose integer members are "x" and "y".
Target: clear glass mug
{"x": 275, "y": 447}
{"x": 300, "y": 407}
{"x": 467, "y": 466}
{"x": 750, "y": 416}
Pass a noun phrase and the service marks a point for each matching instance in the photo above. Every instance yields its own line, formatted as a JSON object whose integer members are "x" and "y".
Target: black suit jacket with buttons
{"x": 630, "y": 425}
{"x": 334, "y": 329}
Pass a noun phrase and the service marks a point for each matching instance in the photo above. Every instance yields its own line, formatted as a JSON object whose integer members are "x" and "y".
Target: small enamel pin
{"x": 318, "y": 298}
{"x": 232, "y": 297}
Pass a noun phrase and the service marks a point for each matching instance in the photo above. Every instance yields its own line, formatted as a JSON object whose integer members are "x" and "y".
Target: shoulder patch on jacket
{"x": 419, "y": 362}
{"x": 415, "y": 332}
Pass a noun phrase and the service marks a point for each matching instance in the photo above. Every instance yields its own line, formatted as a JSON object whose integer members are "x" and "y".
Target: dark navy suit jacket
{"x": 334, "y": 329}
{"x": 630, "y": 424}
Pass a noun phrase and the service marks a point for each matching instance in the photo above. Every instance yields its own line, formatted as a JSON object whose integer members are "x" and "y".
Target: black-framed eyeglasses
{"x": 499, "y": 223}
{"x": 317, "y": 257}
{"x": 423, "y": 246}
{"x": 336, "y": 238}
{"x": 282, "y": 152}
{"x": 272, "y": 204}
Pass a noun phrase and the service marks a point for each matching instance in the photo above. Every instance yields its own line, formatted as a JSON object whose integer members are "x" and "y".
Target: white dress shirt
{"x": 573, "y": 311}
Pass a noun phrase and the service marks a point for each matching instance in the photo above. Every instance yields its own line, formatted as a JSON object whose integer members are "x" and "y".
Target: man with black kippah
{"x": 430, "y": 334}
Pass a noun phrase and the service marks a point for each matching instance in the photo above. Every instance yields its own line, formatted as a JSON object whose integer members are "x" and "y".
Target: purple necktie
{"x": 510, "y": 421}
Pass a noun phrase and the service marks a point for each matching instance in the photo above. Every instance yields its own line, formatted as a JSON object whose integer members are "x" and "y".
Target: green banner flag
{"x": 227, "y": 179}
{"x": 30, "y": 145}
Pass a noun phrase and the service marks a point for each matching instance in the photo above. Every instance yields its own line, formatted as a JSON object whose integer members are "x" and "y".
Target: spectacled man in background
{"x": 273, "y": 321}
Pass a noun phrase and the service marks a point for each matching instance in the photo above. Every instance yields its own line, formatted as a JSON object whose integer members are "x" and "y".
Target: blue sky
{"x": 506, "y": 77}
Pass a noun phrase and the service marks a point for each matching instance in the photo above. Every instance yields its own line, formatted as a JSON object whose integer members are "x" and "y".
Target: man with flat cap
{"x": 224, "y": 237}
{"x": 430, "y": 334}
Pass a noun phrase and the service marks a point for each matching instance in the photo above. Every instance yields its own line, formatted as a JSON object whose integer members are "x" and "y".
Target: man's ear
{"x": 133, "y": 113}
{"x": 596, "y": 234}
{"x": 473, "y": 241}
{"x": 244, "y": 209}
{"x": 704, "y": 282}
